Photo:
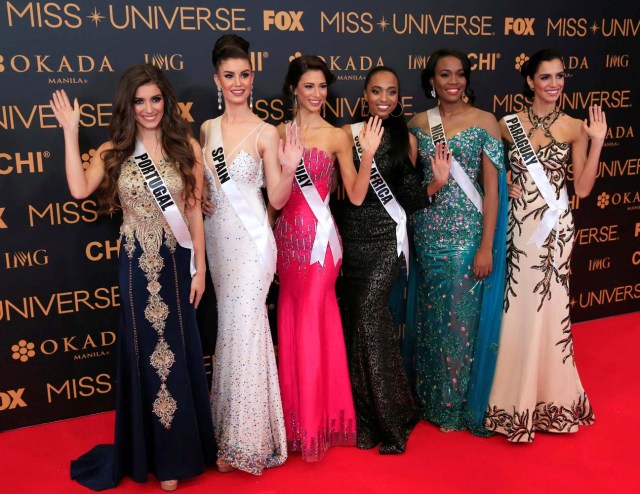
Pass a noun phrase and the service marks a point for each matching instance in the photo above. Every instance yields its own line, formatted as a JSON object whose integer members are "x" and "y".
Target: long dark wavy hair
{"x": 395, "y": 126}
{"x": 175, "y": 134}
{"x": 530, "y": 67}
{"x": 430, "y": 71}
{"x": 299, "y": 66}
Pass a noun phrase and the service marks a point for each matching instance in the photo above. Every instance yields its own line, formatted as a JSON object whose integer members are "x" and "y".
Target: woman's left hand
{"x": 197, "y": 289}
{"x": 596, "y": 125}
{"x": 371, "y": 135}
{"x": 482, "y": 263}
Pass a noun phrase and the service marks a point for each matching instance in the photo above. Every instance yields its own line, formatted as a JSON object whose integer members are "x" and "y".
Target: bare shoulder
{"x": 570, "y": 126}
{"x": 270, "y": 131}
{"x": 195, "y": 145}
{"x": 419, "y": 120}
{"x": 488, "y": 122}
{"x": 339, "y": 136}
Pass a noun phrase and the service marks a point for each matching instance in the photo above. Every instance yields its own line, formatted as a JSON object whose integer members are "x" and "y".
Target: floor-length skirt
{"x": 163, "y": 424}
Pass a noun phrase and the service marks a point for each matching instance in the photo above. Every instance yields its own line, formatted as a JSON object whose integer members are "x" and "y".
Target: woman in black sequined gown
{"x": 385, "y": 407}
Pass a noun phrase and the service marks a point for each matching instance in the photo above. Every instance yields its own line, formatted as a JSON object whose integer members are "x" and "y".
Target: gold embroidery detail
{"x": 144, "y": 222}
{"x": 165, "y": 406}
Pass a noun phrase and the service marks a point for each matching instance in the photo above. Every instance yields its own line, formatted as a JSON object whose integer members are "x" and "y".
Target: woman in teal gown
{"x": 460, "y": 252}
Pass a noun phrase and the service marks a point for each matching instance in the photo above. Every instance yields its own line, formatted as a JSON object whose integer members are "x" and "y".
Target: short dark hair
{"x": 430, "y": 70}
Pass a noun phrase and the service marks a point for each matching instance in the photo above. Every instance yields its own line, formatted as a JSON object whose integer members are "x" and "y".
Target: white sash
{"x": 326, "y": 233}
{"x": 258, "y": 228}
{"x": 385, "y": 196}
{"x": 457, "y": 172}
{"x": 550, "y": 220}
{"x": 162, "y": 196}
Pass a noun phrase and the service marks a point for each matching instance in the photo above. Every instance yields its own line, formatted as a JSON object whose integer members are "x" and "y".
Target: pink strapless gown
{"x": 313, "y": 372}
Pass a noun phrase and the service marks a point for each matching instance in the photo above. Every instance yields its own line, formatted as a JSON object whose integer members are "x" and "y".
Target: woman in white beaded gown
{"x": 242, "y": 153}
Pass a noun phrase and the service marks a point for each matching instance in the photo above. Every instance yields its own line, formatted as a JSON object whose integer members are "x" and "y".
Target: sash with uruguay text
{"x": 530, "y": 159}
{"x": 326, "y": 233}
{"x": 165, "y": 202}
{"x": 457, "y": 172}
{"x": 258, "y": 228}
{"x": 385, "y": 196}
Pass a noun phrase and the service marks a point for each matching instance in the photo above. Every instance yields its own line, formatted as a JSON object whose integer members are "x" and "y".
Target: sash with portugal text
{"x": 162, "y": 196}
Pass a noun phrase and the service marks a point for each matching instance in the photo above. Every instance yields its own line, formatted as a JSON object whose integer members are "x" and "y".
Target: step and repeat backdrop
{"x": 59, "y": 298}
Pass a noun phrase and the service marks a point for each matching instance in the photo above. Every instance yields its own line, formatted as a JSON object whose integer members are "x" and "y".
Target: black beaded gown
{"x": 386, "y": 410}
{"x": 163, "y": 421}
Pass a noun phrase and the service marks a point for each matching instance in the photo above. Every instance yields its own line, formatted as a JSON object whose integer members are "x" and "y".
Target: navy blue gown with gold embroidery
{"x": 163, "y": 421}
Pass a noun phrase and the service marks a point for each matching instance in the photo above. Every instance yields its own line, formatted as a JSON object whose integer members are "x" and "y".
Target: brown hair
{"x": 175, "y": 134}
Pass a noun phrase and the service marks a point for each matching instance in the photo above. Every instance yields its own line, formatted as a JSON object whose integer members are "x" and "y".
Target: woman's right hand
{"x": 515, "y": 191}
{"x": 68, "y": 116}
{"x": 440, "y": 165}
{"x": 207, "y": 204}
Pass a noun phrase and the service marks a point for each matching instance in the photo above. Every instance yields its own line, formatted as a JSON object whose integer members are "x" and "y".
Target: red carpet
{"x": 598, "y": 459}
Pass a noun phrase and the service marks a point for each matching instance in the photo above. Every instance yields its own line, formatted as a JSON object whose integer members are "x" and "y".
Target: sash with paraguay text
{"x": 558, "y": 205}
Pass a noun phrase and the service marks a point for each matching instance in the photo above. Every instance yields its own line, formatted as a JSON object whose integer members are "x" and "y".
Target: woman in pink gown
{"x": 314, "y": 378}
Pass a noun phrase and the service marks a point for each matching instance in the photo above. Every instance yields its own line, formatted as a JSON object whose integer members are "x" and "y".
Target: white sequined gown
{"x": 245, "y": 401}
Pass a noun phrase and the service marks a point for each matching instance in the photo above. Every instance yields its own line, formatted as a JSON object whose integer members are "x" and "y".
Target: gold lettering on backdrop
{"x": 520, "y": 26}
{"x": 446, "y": 25}
{"x": 618, "y": 294}
{"x": 620, "y": 27}
{"x": 96, "y": 251}
{"x": 34, "y": 306}
{"x": 599, "y": 264}
{"x": 270, "y": 109}
{"x": 579, "y": 100}
{"x": 616, "y": 168}
{"x": 603, "y": 234}
{"x": 41, "y": 14}
{"x": 567, "y": 27}
{"x": 22, "y": 162}
{"x": 82, "y": 387}
{"x": 158, "y": 17}
{"x": 22, "y": 259}
{"x": 347, "y": 22}
{"x": 616, "y": 61}
{"x": 69, "y": 212}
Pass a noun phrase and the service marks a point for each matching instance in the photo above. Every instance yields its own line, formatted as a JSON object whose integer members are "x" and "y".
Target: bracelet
{"x": 431, "y": 198}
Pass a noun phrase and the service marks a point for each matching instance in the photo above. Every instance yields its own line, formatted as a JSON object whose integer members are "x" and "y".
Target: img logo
{"x": 164, "y": 61}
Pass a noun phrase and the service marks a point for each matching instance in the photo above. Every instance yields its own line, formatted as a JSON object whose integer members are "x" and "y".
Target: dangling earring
{"x": 401, "y": 106}
{"x": 433, "y": 92}
{"x": 219, "y": 98}
{"x": 296, "y": 104}
{"x": 251, "y": 97}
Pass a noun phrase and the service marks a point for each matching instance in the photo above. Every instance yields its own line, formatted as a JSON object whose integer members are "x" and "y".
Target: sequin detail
{"x": 385, "y": 407}
{"x": 245, "y": 396}
{"x": 447, "y": 236}
{"x": 310, "y": 337}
